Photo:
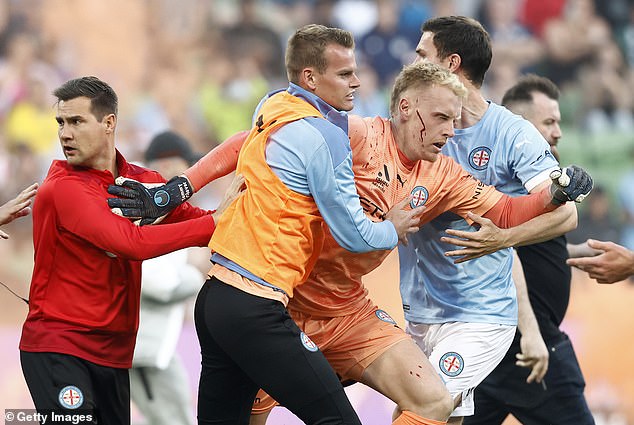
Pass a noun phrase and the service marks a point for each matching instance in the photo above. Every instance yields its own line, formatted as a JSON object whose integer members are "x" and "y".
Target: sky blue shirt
{"x": 312, "y": 156}
{"x": 502, "y": 150}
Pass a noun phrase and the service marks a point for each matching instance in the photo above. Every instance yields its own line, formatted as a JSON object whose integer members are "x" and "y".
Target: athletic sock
{"x": 410, "y": 418}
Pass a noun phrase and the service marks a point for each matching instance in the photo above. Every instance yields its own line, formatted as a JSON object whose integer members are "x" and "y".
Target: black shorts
{"x": 560, "y": 400}
{"x": 70, "y": 387}
{"x": 250, "y": 342}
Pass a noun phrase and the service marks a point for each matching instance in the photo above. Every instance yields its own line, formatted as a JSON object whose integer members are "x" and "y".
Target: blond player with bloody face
{"x": 393, "y": 159}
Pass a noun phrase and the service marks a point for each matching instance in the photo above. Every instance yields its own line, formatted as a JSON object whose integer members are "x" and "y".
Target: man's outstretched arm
{"x": 614, "y": 264}
{"x": 138, "y": 201}
{"x": 518, "y": 228}
{"x": 17, "y": 207}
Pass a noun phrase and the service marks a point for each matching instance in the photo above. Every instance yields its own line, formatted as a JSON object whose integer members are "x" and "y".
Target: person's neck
{"x": 109, "y": 164}
{"x": 398, "y": 132}
{"x": 473, "y": 108}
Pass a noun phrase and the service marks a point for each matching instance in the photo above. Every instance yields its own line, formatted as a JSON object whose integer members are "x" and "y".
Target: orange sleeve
{"x": 219, "y": 162}
{"x": 510, "y": 211}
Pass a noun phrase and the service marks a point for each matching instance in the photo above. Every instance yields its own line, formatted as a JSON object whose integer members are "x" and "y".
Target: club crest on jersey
{"x": 382, "y": 315}
{"x": 307, "y": 342}
{"x": 451, "y": 364}
{"x": 419, "y": 197}
{"x": 70, "y": 397}
{"x": 479, "y": 158}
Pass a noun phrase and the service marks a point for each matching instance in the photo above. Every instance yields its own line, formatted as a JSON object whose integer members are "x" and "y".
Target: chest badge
{"x": 419, "y": 197}
{"x": 479, "y": 158}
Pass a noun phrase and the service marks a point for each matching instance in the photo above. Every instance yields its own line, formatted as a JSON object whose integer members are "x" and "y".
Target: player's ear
{"x": 453, "y": 62}
{"x": 307, "y": 79}
{"x": 110, "y": 122}
{"x": 404, "y": 107}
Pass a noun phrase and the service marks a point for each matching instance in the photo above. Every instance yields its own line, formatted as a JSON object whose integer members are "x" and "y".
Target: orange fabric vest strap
{"x": 270, "y": 230}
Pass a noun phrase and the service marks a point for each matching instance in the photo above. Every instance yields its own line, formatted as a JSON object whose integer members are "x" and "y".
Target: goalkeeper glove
{"x": 149, "y": 204}
{"x": 570, "y": 184}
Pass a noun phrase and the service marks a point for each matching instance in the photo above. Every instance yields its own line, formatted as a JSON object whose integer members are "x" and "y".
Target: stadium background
{"x": 199, "y": 66}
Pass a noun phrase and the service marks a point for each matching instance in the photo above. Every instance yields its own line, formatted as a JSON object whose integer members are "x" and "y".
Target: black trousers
{"x": 67, "y": 385}
{"x": 250, "y": 342}
{"x": 559, "y": 401}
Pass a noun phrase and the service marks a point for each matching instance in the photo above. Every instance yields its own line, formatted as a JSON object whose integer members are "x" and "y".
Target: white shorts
{"x": 463, "y": 354}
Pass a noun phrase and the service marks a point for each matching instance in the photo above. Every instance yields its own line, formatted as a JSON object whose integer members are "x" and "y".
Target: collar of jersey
{"x": 338, "y": 118}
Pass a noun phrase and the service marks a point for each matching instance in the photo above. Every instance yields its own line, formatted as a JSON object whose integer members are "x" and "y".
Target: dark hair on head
{"x": 523, "y": 90}
{"x": 103, "y": 99}
{"x": 467, "y": 38}
{"x": 306, "y": 48}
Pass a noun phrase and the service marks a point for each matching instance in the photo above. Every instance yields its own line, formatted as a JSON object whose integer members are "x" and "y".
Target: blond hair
{"x": 422, "y": 75}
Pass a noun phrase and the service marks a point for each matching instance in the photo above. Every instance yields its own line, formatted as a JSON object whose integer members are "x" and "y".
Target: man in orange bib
{"x": 297, "y": 166}
{"x": 392, "y": 159}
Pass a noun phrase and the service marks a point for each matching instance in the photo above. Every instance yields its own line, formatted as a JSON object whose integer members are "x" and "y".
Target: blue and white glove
{"x": 570, "y": 184}
{"x": 148, "y": 202}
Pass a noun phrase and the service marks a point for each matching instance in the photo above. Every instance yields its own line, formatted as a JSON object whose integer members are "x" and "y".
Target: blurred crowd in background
{"x": 200, "y": 67}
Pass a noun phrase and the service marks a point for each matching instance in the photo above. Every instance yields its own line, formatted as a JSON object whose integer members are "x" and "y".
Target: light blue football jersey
{"x": 502, "y": 150}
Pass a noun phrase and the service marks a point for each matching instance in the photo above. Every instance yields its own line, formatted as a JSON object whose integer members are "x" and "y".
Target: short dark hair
{"x": 465, "y": 37}
{"x": 103, "y": 99}
{"x": 528, "y": 84}
{"x": 306, "y": 48}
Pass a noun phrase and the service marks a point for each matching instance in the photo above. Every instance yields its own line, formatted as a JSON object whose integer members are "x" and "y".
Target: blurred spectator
{"x": 625, "y": 194}
{"x": 183, "y": 21}
{"x": 386, "y": 47}
{"x": 229, "y": 94}
{"x": 536, "y": 13}
{"x": 616, "y": 12}
{"x": 22, "y": 168}
{"x": 596, "y": 220}
{"x": 512, "y": 42}
{"x": 606, "y": 94}
{"x": 500, "y": 78}
{"x": 249, "y": 37}
{"x": 323, "y": 12}
{"x": 206, "y": 96}
{"x": 572, "y": 40}
{"x": 31, "y": 121}
{"x": 413, "y": 13}
{"x": 356, "y": 16}
{"x": 11, "y": 23}
{"x": 166, "y": 100}
{"x": 158, "y": 379}
{"x": 627, "y": 37}
{"x": 370, "y": 99}
{"x": 22, "y": 64}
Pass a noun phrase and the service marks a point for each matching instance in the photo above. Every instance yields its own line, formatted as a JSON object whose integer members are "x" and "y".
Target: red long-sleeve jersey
{"x": 85, "y": 288}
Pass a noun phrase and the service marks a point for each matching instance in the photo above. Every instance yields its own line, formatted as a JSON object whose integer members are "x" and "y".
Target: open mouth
{"x": 439, "y": 145}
